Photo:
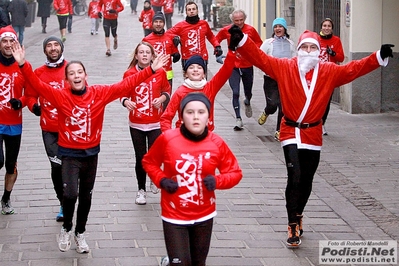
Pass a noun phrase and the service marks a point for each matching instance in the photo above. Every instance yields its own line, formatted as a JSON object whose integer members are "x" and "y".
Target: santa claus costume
{"x": 305, "y": 86}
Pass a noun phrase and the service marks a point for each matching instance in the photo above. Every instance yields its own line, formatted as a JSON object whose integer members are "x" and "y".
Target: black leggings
{"x": 12, "y": 145}
{"x": 246, "y": 75}
{"x": 270, "y": 88}
{"x": 50, "y": 140}
{"x": 62, "y": 22}
{"x": 78, "y": 176}
{"x": 188, "y": 245}
{"x": 301, "y": 166}
{"x": 140, "y": 139}
{"x": 110, "y": 25}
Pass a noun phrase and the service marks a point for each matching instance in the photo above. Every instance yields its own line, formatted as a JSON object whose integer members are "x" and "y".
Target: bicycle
{"x": 80, "y": 9}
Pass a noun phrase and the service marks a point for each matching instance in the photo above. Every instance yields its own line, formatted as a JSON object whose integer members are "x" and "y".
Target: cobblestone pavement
{"x": 354, "y": 194}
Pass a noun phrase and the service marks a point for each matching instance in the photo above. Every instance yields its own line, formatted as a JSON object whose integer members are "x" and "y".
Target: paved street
{"x": 354, "y": 193}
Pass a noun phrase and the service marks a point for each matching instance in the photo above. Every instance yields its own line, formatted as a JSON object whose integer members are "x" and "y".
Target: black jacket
{"x": 3, "y": 18}
{"x": 18, "y": 10}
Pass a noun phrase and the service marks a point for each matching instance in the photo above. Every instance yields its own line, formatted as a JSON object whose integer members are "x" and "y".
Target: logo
{"x": 358, "y": 252}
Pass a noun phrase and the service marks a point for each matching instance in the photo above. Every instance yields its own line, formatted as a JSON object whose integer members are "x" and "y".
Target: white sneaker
{"x": 81, "y": 245}
{"x": 141, "y": 197}
{"x": 154, "y": 188}
{"x": 239, "y": 123}
{"x": 165, "y": 261}
{"x": 248, "y": 108}
{"x": 64, "y": 240}
{"x": 6, "y": 207}
{"x": 325, "y": 133}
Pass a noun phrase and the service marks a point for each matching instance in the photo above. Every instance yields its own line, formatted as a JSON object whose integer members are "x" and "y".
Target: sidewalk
{"x": 354, "y": 194}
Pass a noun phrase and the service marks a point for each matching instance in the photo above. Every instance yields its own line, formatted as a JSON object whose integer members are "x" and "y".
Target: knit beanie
{"x": 194, "y": 96}
{"x": 50, "y": 39}
{"x": 280, "y": 21}
{"x": 8, "y": 31}
{"x": 195, "y": 59}
{"x": 158, "y": 16}
{"x": 308, "y": 36}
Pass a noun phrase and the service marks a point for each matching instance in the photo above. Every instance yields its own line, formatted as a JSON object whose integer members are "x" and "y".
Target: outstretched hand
{"x": 236, "y": 36}
{"x": 159, "y": 62}
{"x": 18, "y": 52}
{"x": 386, "y": 51}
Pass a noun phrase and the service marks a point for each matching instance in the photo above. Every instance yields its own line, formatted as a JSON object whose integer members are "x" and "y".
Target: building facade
{"x": 362, "y": 25}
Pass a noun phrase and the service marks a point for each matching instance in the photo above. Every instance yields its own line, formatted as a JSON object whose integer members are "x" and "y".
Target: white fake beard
{"x": 307, "y": 61}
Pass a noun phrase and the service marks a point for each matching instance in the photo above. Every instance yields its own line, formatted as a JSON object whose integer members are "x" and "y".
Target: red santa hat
{"x": 8, "y": 31}
{"x": 308, "y": 36}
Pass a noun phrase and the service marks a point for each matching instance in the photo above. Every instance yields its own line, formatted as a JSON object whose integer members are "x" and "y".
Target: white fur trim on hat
{"x": 308, "y": 36}
{"x": 8, "y": 31}
{"x": 311, "y": 40}
{"x": 8, "y": 34}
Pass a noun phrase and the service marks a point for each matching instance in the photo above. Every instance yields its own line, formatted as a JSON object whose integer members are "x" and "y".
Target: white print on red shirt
{"x": 6, "y": 92}
{"x": 194, "y": 40}
{"x": 159, "y": 47}
{"x": 46, "y": 104}
{"x": 79, "y": 124}
{"x": 324, "y": 56}
{"x": 190, "y": 171}
{"x": 143, "y": 98}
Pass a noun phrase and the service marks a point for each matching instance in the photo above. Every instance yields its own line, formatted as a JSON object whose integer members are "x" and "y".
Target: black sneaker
{"x": 293, "y": 240}
{"x": 300, "y": 216}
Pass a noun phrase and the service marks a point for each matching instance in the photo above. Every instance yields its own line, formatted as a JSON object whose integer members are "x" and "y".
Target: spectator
{"x": 206, "y": 8}
{"x": 43, "y": 11}
{"x": 133, "y": 6}
{"x": 4, "y": 21}
{"x": 4, "y": 5}
{"x": 19, "y": 11}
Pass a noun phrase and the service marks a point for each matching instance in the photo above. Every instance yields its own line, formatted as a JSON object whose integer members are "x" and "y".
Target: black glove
{"x": 218, "y": 51}
{"x": 100, "y": 15}
{"x": 169, "y": 185}
{"x": 210, "y": 182}
{"x": 16, "y": 104}
{"x": 70, "y": 16}
{"x": 386, "y": 51}
{"x": 176, "y": 57}
{"x": 236, "y": 36}
{"x": 219, "y": 59}
{"x": 112, "y": 11}
{"x": 37, "y": 110}
{"x": 176, "y": 41}
{"x": 331, "y": 51}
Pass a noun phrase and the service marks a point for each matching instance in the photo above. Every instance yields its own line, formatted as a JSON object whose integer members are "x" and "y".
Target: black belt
{"x": 301, "y": 125}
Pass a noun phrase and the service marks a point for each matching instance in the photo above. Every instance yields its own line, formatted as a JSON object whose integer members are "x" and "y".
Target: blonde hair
{"x": 133, "y": 55}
